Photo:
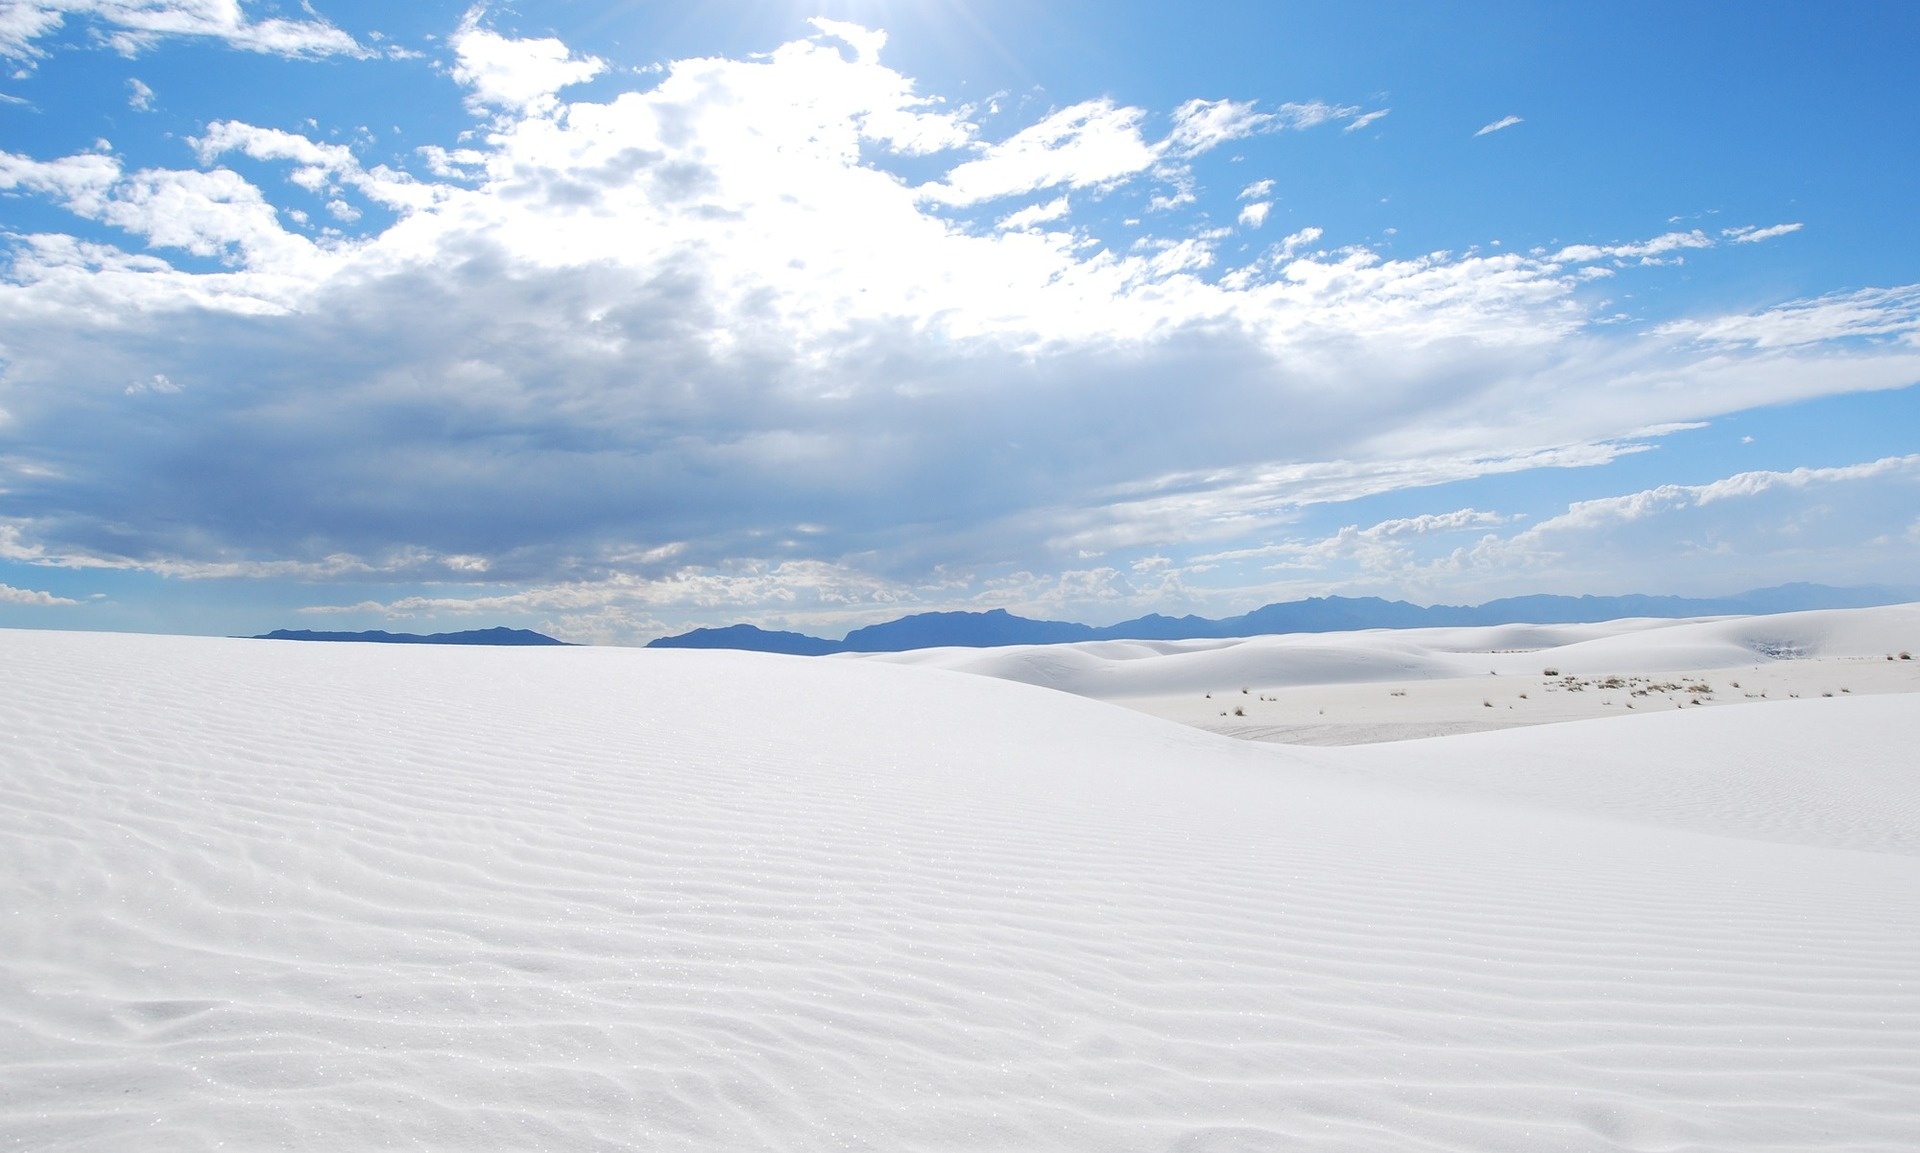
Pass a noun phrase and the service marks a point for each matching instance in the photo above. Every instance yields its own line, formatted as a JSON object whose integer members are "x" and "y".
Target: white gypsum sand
{"x": 275, "y": 895}
{"x": 1402, "y": 684}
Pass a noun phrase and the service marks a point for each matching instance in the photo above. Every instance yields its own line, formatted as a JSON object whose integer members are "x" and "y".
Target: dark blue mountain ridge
{"x": 752, "y": 639}
{"x": 1314, "y": 615}
{"x": 965, "y": 630}
{"x": 493, "y": 636}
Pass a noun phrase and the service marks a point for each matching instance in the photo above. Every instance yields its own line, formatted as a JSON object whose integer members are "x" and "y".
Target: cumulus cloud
{"x": 1254, "y": 215}
{"x": 132, "y": 26}
{"x": 781, "y": 330}
{"x": 13, "y": 596}
{"x": 208, "y": 214}
{"x": 522, "y": 76}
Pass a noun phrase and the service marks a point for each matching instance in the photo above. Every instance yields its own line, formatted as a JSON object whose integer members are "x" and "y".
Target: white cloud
{"x": 1750, "y": 234}
{"x": 1829, "y": 519}
{"x": 1425, "y": 523}
{"x": 1295, "y": 241}
{"x": 1502, "y": 123}
{"x": 13, "y": 596}
{"x": 1312, "y": 114}
{"x": 159, "y": 383}
{"x": 321, "y": 168}
{"x": 1365, "y": 119}
{"x": 721, "y": 341}
{"x": 1086, "y": 145}
{"x": 1646, "y": 251}
{"x": 213, "y": 214}
{"x": 1378, "y": 547}
{"x": 1097, "y": 143}
{"x": 139, "y": 97}
{"x": 135, "y": 25}
{"x": 1254, "y": 215}
{"x": 521, "y": 76}
{"x": 1739, "y": 532}
{"x": 454, "y": 163}
{"x": 1889, "y": 313}
{"x": 1036, "y": 214}
{"x": 1199, "y": 125}
{"x": 865, "y": 42}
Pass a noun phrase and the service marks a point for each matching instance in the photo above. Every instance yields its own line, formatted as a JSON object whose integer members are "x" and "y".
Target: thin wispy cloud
{"x": 1645, "y": 251}
{"x": 1501, "y": 124}
{"x": 1750, "y": 235}
{"x": 134, "y": 26}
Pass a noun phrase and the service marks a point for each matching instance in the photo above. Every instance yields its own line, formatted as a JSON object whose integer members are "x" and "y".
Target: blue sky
{"x": 615, "y": 319}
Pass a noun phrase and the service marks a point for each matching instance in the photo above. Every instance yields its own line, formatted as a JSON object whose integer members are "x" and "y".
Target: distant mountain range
{"x": 1313, "y": 615}
{"x": 495, "y": 636}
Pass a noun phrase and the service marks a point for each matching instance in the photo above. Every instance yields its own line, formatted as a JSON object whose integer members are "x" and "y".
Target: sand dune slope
{"x": 265, "y": 895}
{"x": 1389, "y": 685}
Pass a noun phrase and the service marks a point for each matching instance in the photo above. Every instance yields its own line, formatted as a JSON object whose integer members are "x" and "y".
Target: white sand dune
{"x": 1388, "y": 684}
{"x": 268, "y": 895}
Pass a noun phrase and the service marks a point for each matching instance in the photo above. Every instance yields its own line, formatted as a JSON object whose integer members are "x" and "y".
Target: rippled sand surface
{"x": 266, "y": 895}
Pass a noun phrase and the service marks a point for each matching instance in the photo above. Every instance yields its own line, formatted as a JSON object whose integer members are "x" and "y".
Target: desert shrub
{"x": 1549, "y": 672}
